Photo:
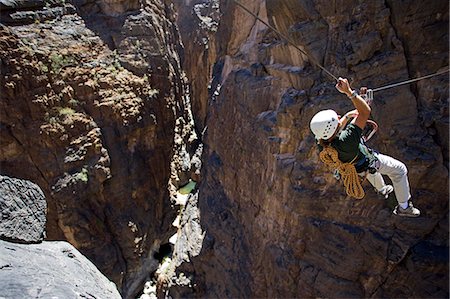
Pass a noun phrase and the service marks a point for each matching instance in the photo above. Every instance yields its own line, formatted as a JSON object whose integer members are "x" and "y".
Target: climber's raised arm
{"x": 347, "y": 117}
{"x": 363, "y": 108}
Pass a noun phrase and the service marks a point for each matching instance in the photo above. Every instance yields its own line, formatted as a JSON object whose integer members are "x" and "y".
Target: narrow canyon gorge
{"x": 171, "y": 141}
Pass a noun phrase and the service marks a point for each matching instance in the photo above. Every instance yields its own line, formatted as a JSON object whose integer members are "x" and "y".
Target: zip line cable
{"x": 319, "y": 65}
{"x": 410, "y": 81}
{"x": 286, "y": 39}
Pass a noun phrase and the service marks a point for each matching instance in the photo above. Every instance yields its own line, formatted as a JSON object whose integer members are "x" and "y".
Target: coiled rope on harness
{"x": 351, "y": 179}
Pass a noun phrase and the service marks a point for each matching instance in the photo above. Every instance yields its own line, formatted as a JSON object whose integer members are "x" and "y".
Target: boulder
{"x": 23, "y": 209}
{"x": 46, "y": 269}
{"x": 50, "y": 270}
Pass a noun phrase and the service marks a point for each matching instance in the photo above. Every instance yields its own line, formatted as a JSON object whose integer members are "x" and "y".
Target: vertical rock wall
{"x": 98, "y": 101}
{"x": 95, "y": 109}
{"x": 277, "y": 224}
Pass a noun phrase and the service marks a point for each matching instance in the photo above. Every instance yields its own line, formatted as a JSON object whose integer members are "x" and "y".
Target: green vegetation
{"x": 58, "y": 61}
{"x": 117, "y": 65}
{"x": 59, "y": 115}
{"x": 186, "y": 189}
{"x": 43, "y": 67}
{"x": 116, "y": 62}
{"x": 65, "y": 111}
{"x": 51, "y": 119}
{"x": 83, "y": 175}
{"x": 74, "y": 103}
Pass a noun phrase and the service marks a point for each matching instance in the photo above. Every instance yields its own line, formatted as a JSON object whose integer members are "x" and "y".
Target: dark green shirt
{"x": 348, "y": 144}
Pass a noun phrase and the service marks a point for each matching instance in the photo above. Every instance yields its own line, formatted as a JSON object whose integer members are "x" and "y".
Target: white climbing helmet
{"x": 324, "y": 124}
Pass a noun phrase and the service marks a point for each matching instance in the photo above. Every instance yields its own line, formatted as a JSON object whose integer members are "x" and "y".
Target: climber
{"x": 331, "y": 130}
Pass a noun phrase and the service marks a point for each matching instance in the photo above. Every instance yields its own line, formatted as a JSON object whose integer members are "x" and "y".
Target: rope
{"x": 286, "y": 39}
{"x": 312, "y": 59}
{"x": 351, "y": 179}
{"x": 410, "y": 81}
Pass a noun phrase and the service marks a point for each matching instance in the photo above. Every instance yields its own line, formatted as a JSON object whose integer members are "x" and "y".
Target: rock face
{"x": 98, "y": 102}
{"x": 46, "y": 269}
{"x": 23, "y": 209}
{"x": 277, "y": 223}
{"x": 50, "y": 270}
{"x": 95, "y": 109}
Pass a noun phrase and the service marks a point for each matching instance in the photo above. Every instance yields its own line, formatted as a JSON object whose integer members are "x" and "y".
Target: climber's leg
{"x": 377, "y": 181}
{"x": 398, "y": 173}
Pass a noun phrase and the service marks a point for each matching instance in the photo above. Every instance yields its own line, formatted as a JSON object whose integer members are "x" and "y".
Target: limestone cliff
{"x": 105, "y": 105}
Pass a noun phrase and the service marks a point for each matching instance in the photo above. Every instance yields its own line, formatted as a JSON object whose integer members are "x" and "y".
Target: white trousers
{"x": 396, "y": 171}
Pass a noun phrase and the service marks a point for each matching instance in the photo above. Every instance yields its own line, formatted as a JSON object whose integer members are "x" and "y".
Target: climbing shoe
{"x": 410, "y": 211}
{"x": 385, "y": 191}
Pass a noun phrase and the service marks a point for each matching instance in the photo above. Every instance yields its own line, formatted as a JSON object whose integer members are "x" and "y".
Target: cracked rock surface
{"x": 50, "y": 270}
{"x": 23, "y": 209}
{"x": 112, "y": 106}
{"x": 277, "y": 223}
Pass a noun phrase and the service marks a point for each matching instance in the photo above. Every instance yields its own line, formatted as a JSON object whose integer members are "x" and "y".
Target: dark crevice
{"x": 118, "y": 250}
{"x": 165, "y": 250}
{"x": 404, "y": 45}
{"x": 437, "y": 140}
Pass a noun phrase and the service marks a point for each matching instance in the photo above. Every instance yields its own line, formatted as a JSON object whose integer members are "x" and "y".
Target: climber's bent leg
{"x": 376, "y": 179}
{"x": 398, "y": 173}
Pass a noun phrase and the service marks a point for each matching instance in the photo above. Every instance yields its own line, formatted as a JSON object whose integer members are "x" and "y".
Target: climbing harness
{"x": 352, "y": 181}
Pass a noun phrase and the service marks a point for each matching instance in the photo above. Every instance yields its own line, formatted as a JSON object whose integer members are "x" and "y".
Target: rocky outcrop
{"x": 23, "y": 209}
{"x": 98, "y": 102}
{"x": 50, "y": 270}
{"x": 277, "y": 223}
{"x": 95, "y": 109}
{"x": 43, "y": 269}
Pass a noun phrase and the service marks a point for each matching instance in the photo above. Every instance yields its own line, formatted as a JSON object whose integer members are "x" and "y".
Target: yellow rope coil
{"x": 350, "y": 177}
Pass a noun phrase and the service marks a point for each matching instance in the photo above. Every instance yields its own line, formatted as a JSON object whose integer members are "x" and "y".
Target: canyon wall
{"x": 113, "y": 107}
{"x": 277, "y": 223}
{"x": 95, "y": 109}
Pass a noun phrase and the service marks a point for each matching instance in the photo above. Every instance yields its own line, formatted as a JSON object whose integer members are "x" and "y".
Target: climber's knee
{"x": 402, "y": 170}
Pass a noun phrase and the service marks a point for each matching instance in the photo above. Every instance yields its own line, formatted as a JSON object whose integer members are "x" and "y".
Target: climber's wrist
{"x": 351, "y": 93}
